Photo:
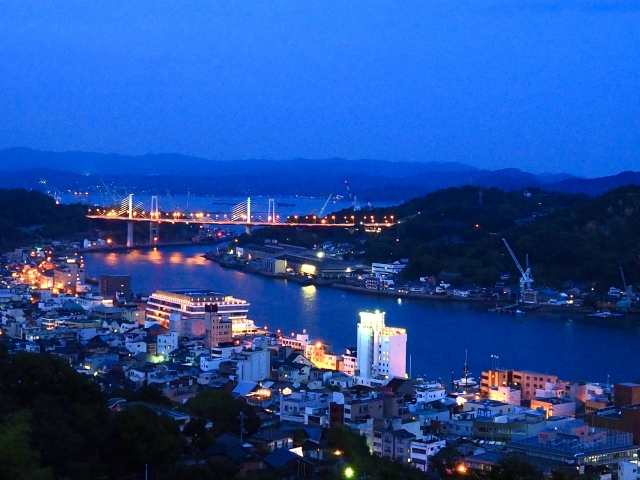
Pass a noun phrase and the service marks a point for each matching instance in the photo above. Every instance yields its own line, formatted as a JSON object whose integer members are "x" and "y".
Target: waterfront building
{"x": 387, "y": 268}
{"x": 527, "y": 381}
{"x": 190, "y": 304}
{"x": 381, "y": 350}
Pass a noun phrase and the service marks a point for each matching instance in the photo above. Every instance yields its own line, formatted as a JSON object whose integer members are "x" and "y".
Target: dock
{"x": 510, "y": 309}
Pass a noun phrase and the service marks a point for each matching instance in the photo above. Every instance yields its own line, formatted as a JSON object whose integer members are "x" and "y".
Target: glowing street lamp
{"x": 349, "y": 472}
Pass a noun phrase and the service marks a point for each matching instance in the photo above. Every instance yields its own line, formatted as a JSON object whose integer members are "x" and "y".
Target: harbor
{"x": 439, "y": 330}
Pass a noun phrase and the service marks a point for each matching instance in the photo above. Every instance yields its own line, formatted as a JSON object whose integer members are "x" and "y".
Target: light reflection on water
{"x": 439, "y": 332}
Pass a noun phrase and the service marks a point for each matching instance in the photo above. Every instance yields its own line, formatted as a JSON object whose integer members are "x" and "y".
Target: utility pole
{"x": 241, "y": 417}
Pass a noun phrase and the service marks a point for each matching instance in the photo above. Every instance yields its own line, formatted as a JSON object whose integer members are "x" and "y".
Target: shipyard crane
{"x": 627, "y": 288}
{"x": 526, "y": 280}
{"x": 352, "y": 197}
{"x": 117, "y": 199}
{"x": 325, "y": 205}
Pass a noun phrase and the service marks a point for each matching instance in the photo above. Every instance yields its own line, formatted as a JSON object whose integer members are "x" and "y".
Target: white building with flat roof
{"x": 387, "y": 268}
{"x": 381, "y": 350}
{"x": 190, "y": 305}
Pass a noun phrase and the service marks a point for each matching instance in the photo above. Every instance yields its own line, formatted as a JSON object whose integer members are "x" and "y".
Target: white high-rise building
{"x": 382, "y": 350}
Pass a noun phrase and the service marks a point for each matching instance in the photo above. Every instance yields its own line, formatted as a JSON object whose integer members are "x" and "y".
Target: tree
{"x": 222, "y": 409}
{"x": 67, "y": 410}
{"x": 139, "y": 437}
{"x": 347, "y": 440}
{"x": 17, "y": 458}
{"x": 199, "y": 434}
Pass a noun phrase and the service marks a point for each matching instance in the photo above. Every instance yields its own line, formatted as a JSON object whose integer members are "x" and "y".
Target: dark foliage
{"x": 66, "y": 412}
{"x": 222, "y": 409}
{"x": 567, "y": 237}
{"x": 30, "y": 215}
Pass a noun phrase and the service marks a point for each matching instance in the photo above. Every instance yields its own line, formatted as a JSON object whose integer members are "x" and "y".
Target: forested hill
{"x": 28, "y": 215}
{"x": 460, "y": 231}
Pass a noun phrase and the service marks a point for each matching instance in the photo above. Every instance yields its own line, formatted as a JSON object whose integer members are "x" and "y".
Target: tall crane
{"x": 117, "y": 199}
{"x": 352, "y": 197}
{"x": 526, "y": 280}
{"x": 627, "y": 288}
{"x": 325, "y": 205}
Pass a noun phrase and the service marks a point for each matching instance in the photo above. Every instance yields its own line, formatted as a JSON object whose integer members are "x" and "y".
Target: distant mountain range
{"x": 369, "y": 179}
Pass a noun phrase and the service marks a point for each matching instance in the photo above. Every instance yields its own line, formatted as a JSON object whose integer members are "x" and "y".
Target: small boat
{"x": 465, "y": 383}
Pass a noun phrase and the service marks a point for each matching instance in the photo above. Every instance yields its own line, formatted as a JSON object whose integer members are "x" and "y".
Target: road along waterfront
{"x": 569, "y": 345}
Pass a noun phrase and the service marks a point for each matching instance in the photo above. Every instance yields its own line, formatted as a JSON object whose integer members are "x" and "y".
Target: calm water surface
{"x": 571, "y": 346}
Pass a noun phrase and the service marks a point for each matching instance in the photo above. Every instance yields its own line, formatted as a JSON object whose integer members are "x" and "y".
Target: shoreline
{"x": 120, "y": 248}
{"x": 480, "y": 302}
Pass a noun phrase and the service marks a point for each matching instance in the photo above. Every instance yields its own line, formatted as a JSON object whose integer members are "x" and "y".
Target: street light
{"x": 348, "y": 472}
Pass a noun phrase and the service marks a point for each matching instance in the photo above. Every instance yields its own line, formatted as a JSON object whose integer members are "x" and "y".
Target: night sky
{"x": 545, "y": 86}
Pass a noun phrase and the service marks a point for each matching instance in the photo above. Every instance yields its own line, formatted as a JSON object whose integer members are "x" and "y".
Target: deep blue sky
{"x": 539, "y": 85}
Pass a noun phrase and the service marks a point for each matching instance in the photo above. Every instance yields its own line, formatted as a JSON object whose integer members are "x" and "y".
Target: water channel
{"x": 570, "y": 345}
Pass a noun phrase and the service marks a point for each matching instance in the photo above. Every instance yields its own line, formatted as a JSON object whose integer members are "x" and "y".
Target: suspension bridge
{"x": 248, "y": 213}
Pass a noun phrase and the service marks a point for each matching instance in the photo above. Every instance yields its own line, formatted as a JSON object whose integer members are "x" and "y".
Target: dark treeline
{"x": 28, "y": 216}
{"x": 459, "y": 231}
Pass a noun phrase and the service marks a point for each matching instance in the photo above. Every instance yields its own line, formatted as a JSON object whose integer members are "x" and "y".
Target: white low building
{"x": 422, "y": 449}
{"x": 387, "y": 268}
{"x": 430, "y": 392}
{"x": 505, "y": 394}
{"x": 167, "y": 343}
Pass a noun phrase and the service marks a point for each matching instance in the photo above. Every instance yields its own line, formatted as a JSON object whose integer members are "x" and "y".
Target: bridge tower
{"x": 271, "y": 211}
{"x": 130, "y": 222}
{"x": 154, "y": 227}
{"x": 247, "y": 226}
